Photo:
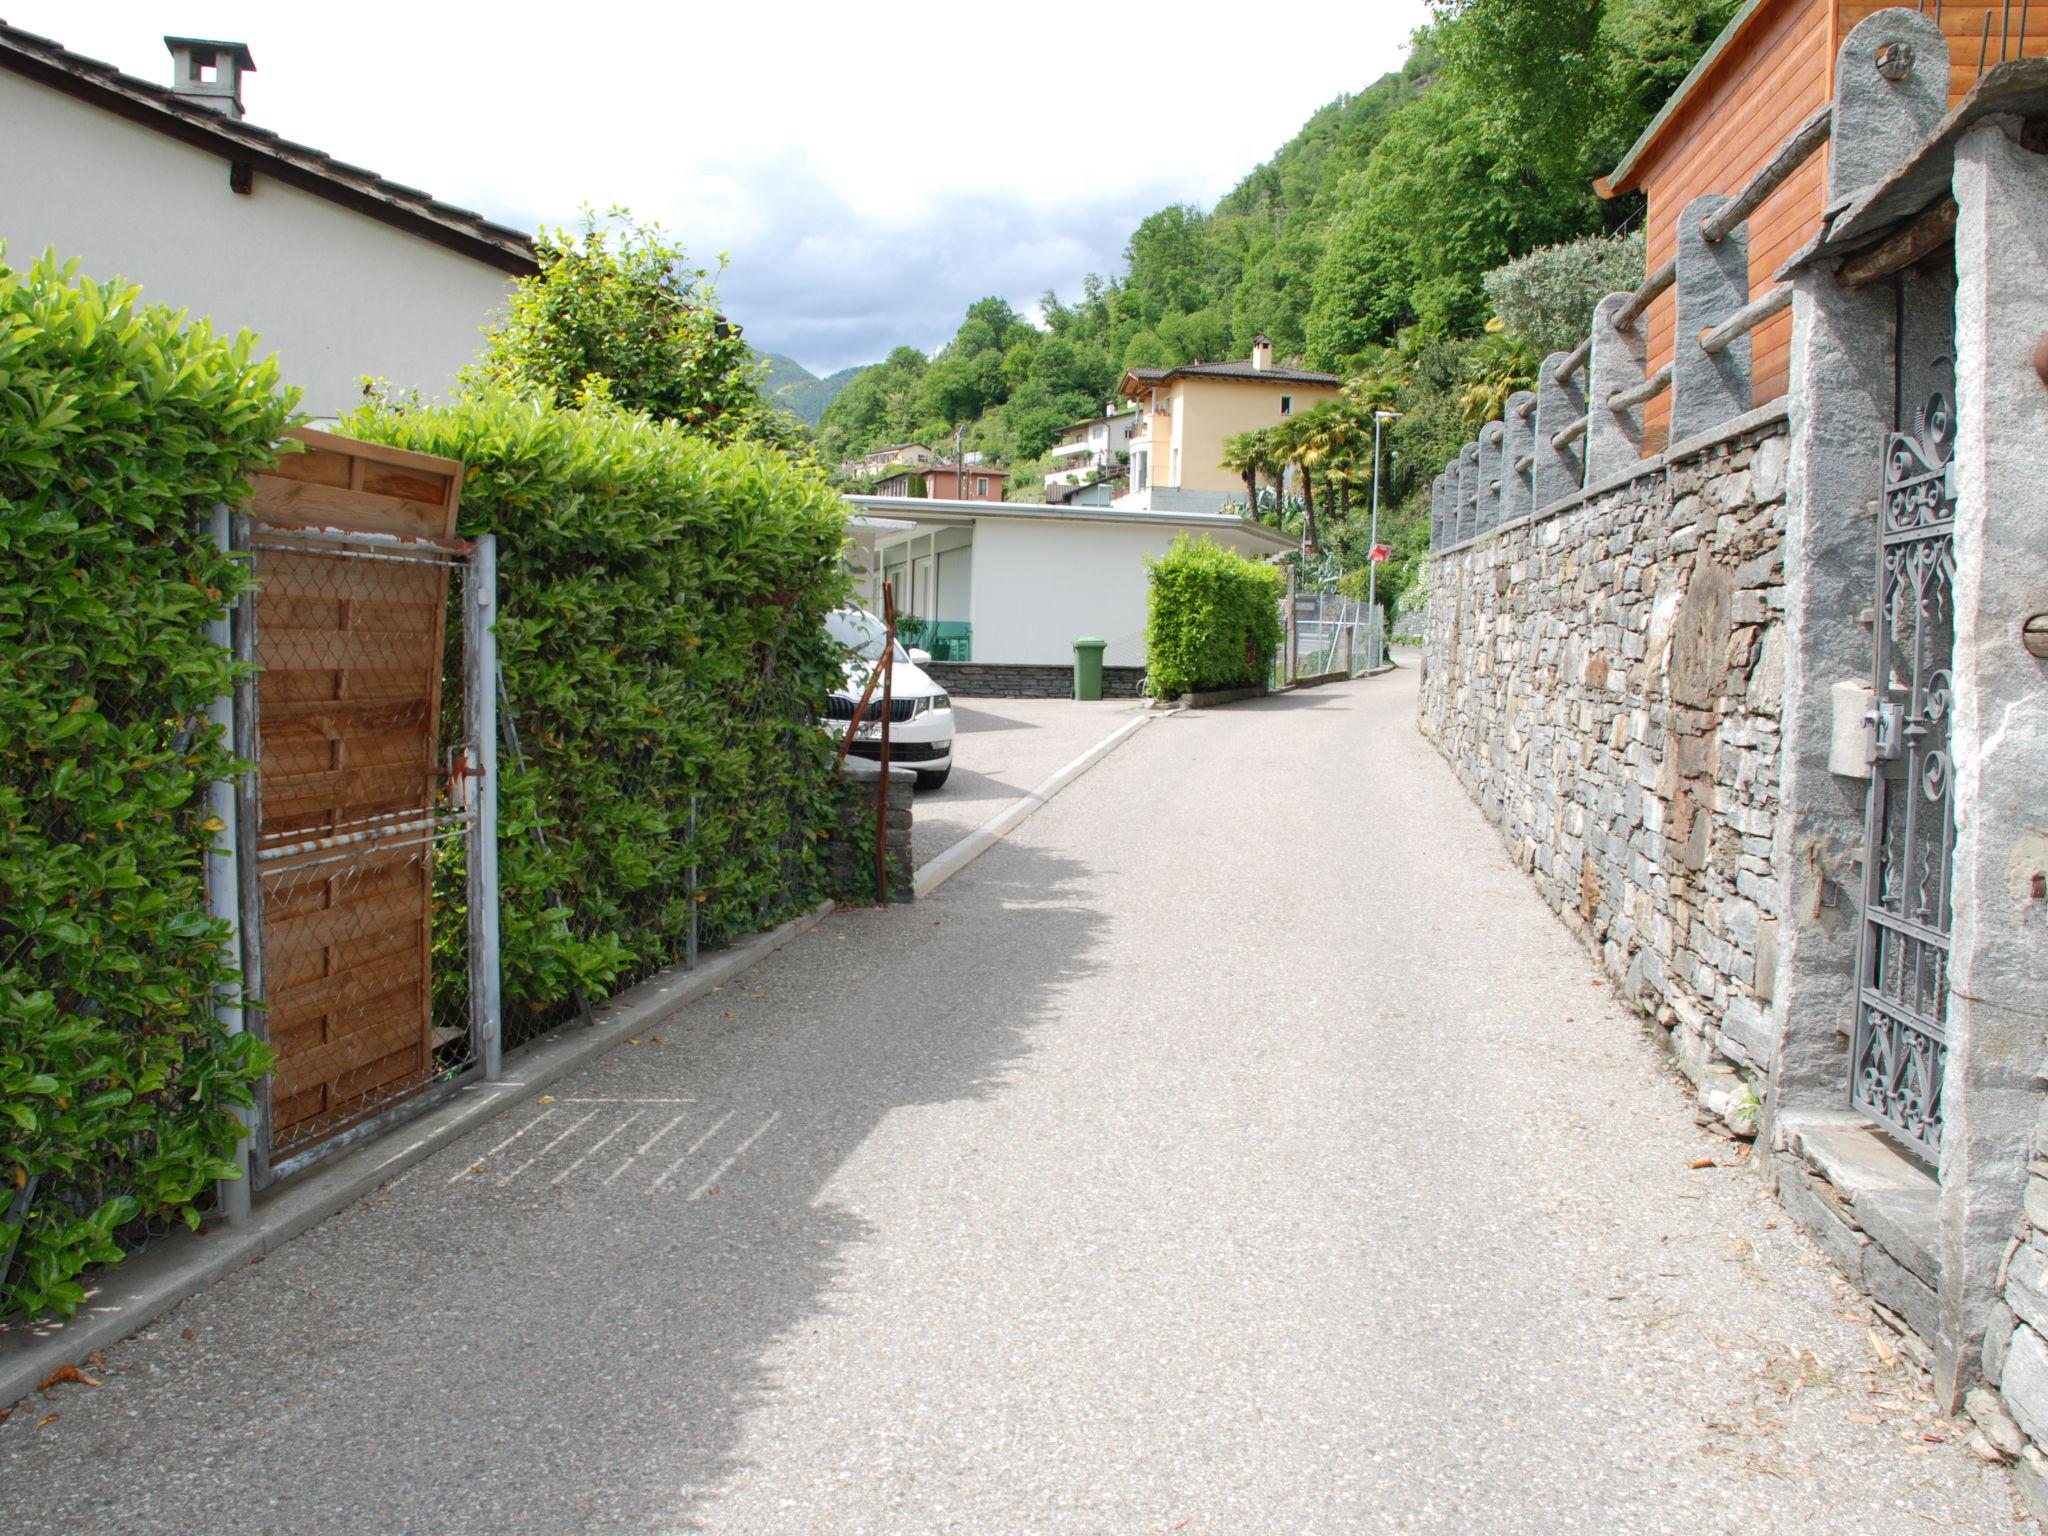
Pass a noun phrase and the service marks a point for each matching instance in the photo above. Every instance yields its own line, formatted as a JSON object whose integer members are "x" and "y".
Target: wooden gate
{"x": 354, "y": 550}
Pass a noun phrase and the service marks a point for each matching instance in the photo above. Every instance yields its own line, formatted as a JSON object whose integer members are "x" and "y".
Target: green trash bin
{"x": 1088, "y": 667}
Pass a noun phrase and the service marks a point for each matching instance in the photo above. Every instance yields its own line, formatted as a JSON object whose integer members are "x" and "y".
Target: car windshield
{"x": 862, "y": 633}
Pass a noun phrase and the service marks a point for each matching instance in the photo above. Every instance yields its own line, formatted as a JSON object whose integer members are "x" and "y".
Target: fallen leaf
{"x": 1864, "y": 1418}
{"x": 654, "y": 1039}
{"x": 1702, "y": 1162}
{"x": 188, "y": 1335}
{"x": 547, "y": 1098}
{"x": 6, "y": 1414}
{"x": 1883, "y": 1351}
{"x": 476, "y": 1167}
{"x": 97, "y": 1357}
{"x": 632, "y": 1042}
{"x": 63, "y": 1374}
{"x": 48, "y": 1418}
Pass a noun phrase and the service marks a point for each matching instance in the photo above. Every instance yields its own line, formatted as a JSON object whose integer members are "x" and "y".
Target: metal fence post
{"x": 1287, "y": 671}
{"x": 480, "y": 725}
{"x": 224, "y": 879}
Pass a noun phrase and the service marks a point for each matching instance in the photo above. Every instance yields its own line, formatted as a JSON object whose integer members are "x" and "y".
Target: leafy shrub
{"x": 120, "y": 428}
{"x": 1213, "y": 619}
{"x": 1547, "y": 296}
{"x": 661, "y": 626}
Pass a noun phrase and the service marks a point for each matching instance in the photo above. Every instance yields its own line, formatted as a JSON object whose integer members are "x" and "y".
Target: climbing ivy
{"x": 121, "y": 427}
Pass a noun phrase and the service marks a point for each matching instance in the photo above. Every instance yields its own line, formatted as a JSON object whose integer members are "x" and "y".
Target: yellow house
{"x": 1186, "y": 413}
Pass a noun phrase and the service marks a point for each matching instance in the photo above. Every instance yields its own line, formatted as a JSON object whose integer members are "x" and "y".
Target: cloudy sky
{"x": 870, "y": 169}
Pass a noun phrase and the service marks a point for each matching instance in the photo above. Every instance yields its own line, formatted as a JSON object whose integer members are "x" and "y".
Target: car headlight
{"x": 941, "y": 701}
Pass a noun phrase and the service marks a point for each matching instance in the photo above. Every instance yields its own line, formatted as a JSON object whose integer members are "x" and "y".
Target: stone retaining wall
{"x": 851, "y": 861}
{"x": 1605, "y": 678}
{"x": 1030, "y": 680}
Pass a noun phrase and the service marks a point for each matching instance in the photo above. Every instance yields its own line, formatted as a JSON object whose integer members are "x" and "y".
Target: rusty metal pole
{"x": 882, "y": 790}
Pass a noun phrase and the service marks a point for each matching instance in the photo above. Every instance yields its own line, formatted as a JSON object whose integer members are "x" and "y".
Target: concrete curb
{"x": 939, "y": 870}
{"x": 136, "y": 1293}
{"x": 1215, "y": 698}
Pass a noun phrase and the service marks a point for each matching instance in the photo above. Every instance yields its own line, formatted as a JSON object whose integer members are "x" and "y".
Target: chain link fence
{"x": 1331, "y": 636}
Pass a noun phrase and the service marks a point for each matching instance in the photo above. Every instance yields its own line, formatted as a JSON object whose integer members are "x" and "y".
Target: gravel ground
{"x": 1240, "y": 1147}
{"x": 1006, "y": 748}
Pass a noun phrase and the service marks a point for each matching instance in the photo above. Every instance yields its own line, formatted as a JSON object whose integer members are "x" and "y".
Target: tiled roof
{"x": 161, "y": 108}
{"x": 1237, "y": 370}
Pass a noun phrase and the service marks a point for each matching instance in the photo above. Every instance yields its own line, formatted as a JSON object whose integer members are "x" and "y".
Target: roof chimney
{"x": 1262, "y": 355}
{"x": 209, "y": 72}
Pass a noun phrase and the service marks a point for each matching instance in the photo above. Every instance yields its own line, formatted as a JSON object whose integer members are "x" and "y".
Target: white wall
{"x": 335, "y": 294}
{"x": 1039, "y": 585}
{"x": 956, "y": 574}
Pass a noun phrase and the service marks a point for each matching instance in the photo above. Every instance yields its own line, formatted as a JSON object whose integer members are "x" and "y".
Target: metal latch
{"x": 1884, "y": 719}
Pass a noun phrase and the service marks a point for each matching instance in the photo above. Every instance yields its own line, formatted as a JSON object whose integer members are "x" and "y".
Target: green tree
{"x": 617, "y": 312}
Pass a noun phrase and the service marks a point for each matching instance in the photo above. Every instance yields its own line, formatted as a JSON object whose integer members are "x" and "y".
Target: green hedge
{"x": 1213, "y": 619}
{"x": 120, "y": 428}
{"x": 661, "y": 627}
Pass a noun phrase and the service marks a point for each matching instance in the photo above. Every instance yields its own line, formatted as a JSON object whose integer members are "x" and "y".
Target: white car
{"x": 920, "y": 713}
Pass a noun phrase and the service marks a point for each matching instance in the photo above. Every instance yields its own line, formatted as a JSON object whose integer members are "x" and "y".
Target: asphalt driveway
{"x": 1240, "y": 1148}
{"x": 1005, "y": 749}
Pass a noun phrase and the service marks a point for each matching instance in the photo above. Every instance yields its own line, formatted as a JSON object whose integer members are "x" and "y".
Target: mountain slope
{"x": 802, "y": 393}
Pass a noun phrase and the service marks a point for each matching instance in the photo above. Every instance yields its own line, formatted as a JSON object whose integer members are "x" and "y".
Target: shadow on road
{"x": 557, "y": 1331}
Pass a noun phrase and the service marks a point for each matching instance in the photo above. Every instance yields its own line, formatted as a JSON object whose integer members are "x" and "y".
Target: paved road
{"x": 1007, "y": 748}
{"x": 1238, "y": 1148}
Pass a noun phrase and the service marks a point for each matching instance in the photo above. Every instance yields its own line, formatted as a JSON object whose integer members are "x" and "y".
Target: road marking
{"x": 650, "y": 1141}
{"x": 678, "y": 1163}
{"x": 544, "y": 1151}
{"x": 597, "y": 1146}
{"x": 464, "y": 1172}
{"x": 726, "y": 1167}
{"x": 629, "y": 1101}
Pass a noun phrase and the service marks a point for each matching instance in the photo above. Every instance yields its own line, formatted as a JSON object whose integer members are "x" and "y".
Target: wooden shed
{"x": 1771, "y": 68}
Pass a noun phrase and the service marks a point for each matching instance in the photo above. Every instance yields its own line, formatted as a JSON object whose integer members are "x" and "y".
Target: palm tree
{"x": 1296, "y": 441}
{"x": 1245, "y": 456}
{"x": 1501, "y": 364}
{"x": 1342, "y": 430}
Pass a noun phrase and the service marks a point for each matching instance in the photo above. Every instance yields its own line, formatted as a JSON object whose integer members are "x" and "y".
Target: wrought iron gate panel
{"x": 1901, "y": 1036}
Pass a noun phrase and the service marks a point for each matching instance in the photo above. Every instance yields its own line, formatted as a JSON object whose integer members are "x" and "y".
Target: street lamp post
{"x": 1372, "y": 562}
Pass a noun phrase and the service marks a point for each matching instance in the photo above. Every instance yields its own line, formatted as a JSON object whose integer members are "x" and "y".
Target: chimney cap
{"x": 212, "y": 48}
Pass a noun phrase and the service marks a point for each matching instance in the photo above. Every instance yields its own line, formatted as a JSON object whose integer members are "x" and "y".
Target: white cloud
{"x": 871, "y": 169}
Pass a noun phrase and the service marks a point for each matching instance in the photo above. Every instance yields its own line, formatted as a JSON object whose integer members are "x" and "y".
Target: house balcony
{"x": 1068, "y": 450}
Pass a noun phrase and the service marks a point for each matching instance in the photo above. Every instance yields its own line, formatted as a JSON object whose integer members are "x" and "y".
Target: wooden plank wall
{"x": 1768, "y": 81}
{"x": 1770, "y": 78}
{"x": 348, "y": 705}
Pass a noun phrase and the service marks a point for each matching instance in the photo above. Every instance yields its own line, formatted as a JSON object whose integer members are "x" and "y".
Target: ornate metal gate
{"x": 1901, "y": 1043}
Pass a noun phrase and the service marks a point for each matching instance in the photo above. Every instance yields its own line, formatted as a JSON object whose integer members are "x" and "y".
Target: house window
{"x": 1176, "y": 468}
{"x": 981, "y": 485}
{"x": 1141, "y": 470}
{"x": 1287, "y": 405}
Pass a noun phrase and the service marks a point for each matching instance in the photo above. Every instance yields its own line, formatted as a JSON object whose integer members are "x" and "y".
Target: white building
{"x": 1015, "y": 584}
{"x": 342, "y": 273}
{"x": 1085, "y": 448}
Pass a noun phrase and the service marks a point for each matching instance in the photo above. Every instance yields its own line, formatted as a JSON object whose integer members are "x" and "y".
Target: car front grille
{"x": 902, "y": 751}
{"x": 839, "y": 707}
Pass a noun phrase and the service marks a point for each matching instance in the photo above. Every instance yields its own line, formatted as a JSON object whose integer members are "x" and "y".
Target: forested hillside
{"x": 795, "y": 389}
{"x": 1363, "y": 246}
